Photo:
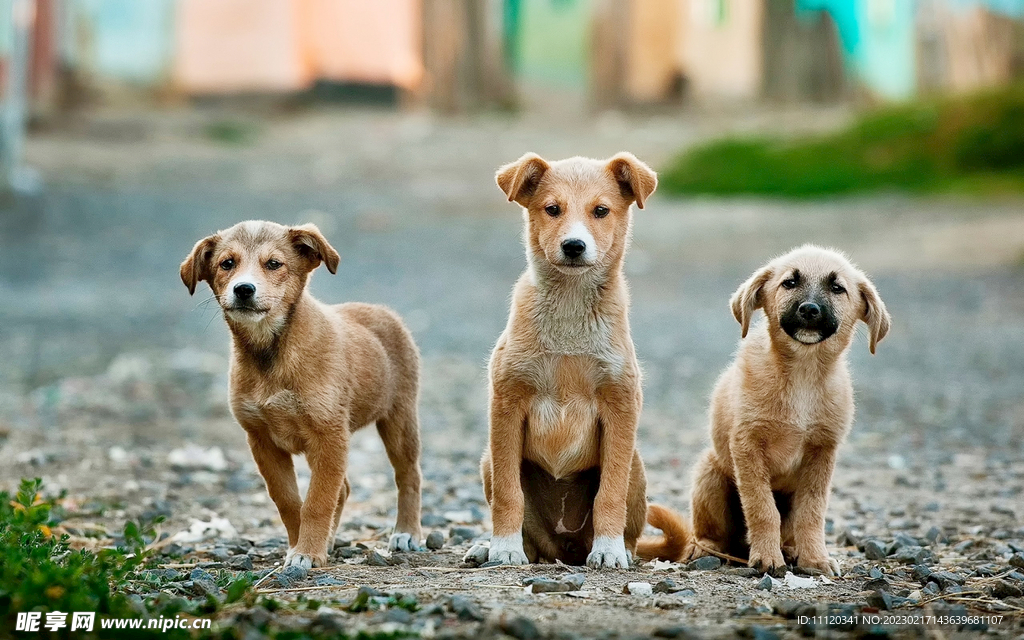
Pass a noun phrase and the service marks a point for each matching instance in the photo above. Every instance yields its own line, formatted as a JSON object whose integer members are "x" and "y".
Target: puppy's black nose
{"x": 809, "y": 311}
{"x": 573, "y": 248}
{"x": 244, "y": 291}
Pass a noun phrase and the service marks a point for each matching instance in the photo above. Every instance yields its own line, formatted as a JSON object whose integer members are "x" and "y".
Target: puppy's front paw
{"x": 404, "y": 542}
{"x": 767, "y": 559}
{"x": 304, "y": 560}
{"x": 608, "y": 553}
{"x": 823, "y": 563}
{"x": 507, "y": 550}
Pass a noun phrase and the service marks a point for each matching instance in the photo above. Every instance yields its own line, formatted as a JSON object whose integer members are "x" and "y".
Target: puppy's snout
{"x": 809, "y": 311}
{"x": 244, "y": 291}
{"x": 573, "y": 248}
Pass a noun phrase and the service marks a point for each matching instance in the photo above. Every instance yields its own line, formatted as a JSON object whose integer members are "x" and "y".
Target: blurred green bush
{"x": 969, "y": 144}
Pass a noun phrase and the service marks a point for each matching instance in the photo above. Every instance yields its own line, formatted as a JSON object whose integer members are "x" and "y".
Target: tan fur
{"x": 561, "y": 467}
{"x": 305, "y": 375}
{"x": 778, "y": 415}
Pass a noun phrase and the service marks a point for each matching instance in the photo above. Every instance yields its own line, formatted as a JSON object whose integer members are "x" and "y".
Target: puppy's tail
{"x": 677, "y": 535}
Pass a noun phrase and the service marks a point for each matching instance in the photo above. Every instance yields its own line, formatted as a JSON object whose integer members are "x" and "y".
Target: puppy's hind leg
{"x": 346, "y": 489}
{"x": 400, "y": 432}
{"x": 712, "y": 516}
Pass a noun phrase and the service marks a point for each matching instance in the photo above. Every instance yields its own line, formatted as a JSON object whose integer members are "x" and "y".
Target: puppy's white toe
{"x": 403, "y": 542}
{"x": 299, "y": 560}
{"x": 608, "y": 553}
{"x": 507, "y": 550}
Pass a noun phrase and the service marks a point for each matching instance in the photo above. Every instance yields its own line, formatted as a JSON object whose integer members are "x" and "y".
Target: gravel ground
{"x": 114, "y": 384}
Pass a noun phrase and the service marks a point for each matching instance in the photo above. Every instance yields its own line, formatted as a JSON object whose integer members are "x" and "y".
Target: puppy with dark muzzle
{"x": 305, "y": 375}
{"x": 778, "y": 415}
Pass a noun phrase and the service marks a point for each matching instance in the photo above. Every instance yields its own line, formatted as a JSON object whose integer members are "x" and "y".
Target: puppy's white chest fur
{"x": 561, "y": 432}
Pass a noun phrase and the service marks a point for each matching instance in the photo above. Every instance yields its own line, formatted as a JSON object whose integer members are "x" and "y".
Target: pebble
{"x": 706, "y": 563}
{"x": 203, "y": 583}
{"x": 1017, "y": 560}
{"x": 668, "y": 585}
{"x": 435, "y": 540}
{"x": 876, "y": 584}
{"x": 686, "y": 633}
{"x": 880, "y": 600}
{"x": 765, "y": 584}
{"x": 875, "y": 573}
{"x": 477, "y": 555}
{"x": 290, "y": 575}
{"x": 744, "y": 572}
{"x": 466, "y": 609}
{"x": 433, "y": 520}
{"x": 945, "y": 578}
{"x": 935, "y": 535}
{"x": 875, "y": 550}
{"x": 544, "y": 584}
{"x": 374, "y": 559}
{"x": 398, "y": 615}
{"x": 520, "y": 628}
{"x": 643, "y": 589}
{"x": 466, "y": 533}
{"x": 1016, "y": 575}
{"x": 240, "y": 562}
{"x": 1003, "y": 589}
{"x": 326, "y": 580}
{"x": 921, "y": 573}
{"x": 913, "y": 555}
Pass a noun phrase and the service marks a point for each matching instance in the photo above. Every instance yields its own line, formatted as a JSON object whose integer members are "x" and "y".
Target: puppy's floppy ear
{"x": 198, "y": 266}
{"x": 874, "y": 314}
{"x": 636, "y": 179}
{"x": 519, "y": 179}
{"x": 309, "y": 242}
{"x": 749, "y": 298}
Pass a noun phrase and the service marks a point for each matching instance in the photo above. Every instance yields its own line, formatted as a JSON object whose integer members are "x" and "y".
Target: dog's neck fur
{"x": 789, "y": 359}
{"x": 266, "y": 343}
{"x": 571, "y": 312}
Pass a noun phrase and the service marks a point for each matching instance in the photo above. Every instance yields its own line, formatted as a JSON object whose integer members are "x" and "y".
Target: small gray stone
{"x": 1016, "y": 575}
{"x": 477, "y": 555}
{"x": 433, "y": 520}
{"x": 398, "y": 615}
{"x": 1003, "y": 589}
{"x": 435, "y": 540}
{"x": 875, "y": 550}
{"x": 765, "y": 584}
{"x": 520, "y": 628}
{"x": 743, "y": 572}
{"x": 466, "y": 533}
{"x": 913, "y": 555}
{"x": 706, "y": 563}
{"x": 203, "y": 583}
{"x": 921, "y": 573}
{"x": 668, "y": 585}
{"x": 240, "y": 562}
{"x": 935, "y": 535}
{"x": 466, "y": 609}
{"x": 1017, "y": 560}
{"x": 374, "y": 559}
{"x": 327, "y": 580}
{"x": 295, "y": 572}
{"x": 880, "y": 600}
{"x": 946, "y": 579}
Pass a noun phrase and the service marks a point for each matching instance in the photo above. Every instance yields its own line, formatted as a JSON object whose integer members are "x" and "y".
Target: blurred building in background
{"x": 458, "y": 55}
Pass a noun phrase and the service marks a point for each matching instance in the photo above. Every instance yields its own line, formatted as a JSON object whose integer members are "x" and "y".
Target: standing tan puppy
{"x": 305, "y": 375}
{"x": 561, "y": 472}
{"x": 778, "y": 414}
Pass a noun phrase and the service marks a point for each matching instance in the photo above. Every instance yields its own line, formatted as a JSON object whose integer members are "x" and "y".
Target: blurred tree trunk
{"x": 463, "y": 56}
{"x": 608, "y": 54}
{"x": 802, "y": 57}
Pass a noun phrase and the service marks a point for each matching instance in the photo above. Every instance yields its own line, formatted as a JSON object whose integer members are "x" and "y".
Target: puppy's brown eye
{"x": 273, "y": 265}
{"x": 837, "y": 288}
{"x": 228, "y": 264}
{"x": 600, "y": 211}
{"x": 790, "y": 283}
{"x": 553, "y": 210}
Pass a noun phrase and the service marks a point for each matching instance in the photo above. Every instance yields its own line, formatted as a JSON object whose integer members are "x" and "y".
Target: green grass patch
{"x": 972, "y": 144}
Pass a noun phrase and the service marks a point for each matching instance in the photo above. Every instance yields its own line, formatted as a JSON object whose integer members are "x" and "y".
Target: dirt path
{"x": 111, "y": 367}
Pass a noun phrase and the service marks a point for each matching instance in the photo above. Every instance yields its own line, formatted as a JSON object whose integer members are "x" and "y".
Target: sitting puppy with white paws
{"x": 561, "y": 472}
{"x": 305, "y": 375}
